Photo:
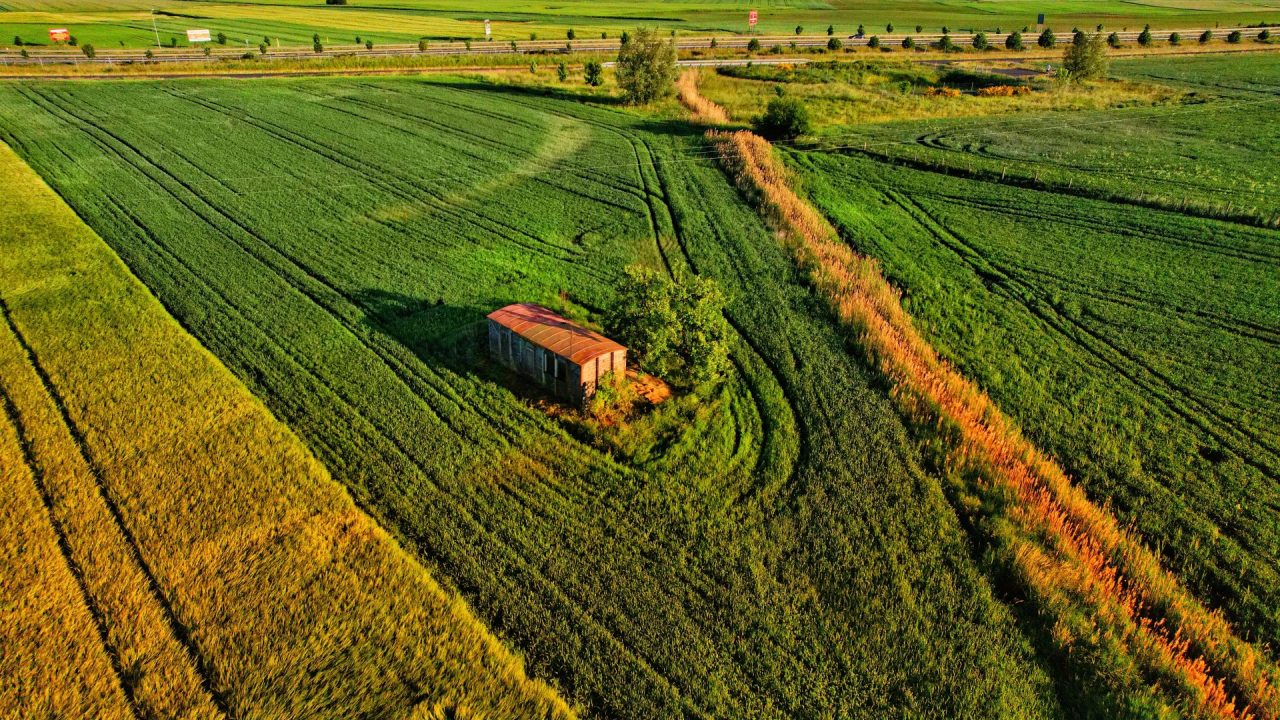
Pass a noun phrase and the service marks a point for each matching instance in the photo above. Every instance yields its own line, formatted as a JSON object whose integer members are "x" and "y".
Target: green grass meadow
{"x": 336, "y": 243}
{"x": 1102, "y": 262}
{"x": 1111, "y": 280}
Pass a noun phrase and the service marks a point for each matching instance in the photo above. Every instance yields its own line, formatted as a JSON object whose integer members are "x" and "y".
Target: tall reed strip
{"x": 704, "y": 111}
{"x": 1105, "y": 593}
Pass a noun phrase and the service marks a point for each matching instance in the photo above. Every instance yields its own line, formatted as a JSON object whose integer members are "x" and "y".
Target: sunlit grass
{"x": 177, "y": 489}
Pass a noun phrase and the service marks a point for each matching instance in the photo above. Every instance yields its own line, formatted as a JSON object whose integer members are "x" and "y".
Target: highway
{"x": 540, "y": 48}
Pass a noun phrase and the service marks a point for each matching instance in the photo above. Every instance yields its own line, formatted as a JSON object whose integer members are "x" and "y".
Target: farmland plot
{"x": 1136, "y": 345}
{"x": 1208, "y": 155}
{"x": 336, "y": 243}
{"x": 293, "y": 21}
{"x": 168, "y": 548}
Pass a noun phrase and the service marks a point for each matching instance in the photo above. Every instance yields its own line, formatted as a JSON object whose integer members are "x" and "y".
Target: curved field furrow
{"x": 1105, "y": 339}
{"x": 781, "y": 554}
{"x": 442, "y": 205}
{"x": 129, "y": 704}
{"x": 1184, "y": 402}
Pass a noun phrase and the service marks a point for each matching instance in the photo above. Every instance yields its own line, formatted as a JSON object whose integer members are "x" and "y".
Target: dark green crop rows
{"x": 1211, "y": 155}
{"x": 1138, "y": 346}
{"x": 337, "y": 242}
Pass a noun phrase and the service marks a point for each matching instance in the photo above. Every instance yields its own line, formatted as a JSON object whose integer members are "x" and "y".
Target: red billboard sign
{"x": 59, "y": 34}
{"x": 752, "y": 17}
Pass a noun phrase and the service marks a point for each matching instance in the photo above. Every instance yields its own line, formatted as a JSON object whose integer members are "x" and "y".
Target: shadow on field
{"x": 438, "y": 333}
{"x": 447, "y": 337}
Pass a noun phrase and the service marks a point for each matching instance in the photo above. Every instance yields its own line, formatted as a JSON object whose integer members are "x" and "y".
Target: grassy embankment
{"x": 846, "y": 92}
{"x": 1114, "y": 612}
{"x": 199, "y": 562}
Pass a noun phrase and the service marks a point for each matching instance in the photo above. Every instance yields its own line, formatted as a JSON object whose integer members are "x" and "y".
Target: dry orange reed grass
{"x": 1098, "y": 582}
{"x": 1004, "y": 91}
{"x": 704, "y": 111}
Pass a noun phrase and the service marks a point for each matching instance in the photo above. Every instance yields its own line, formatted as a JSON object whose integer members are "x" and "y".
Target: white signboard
{"x": 487, "y": 31}
{"x": 198, "y": 36}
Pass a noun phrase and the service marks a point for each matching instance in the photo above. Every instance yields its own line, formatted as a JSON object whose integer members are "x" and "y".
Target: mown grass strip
{"x": 1104, "y": 591}
{"x": 296, "y": 602}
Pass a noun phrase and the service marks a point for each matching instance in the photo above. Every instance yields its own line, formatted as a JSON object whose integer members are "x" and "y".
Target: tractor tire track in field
{"x": 1134, "y": 301}
{"x": 447, "y": 129}
{"x": 1189, "y": 209}
{"x": 206, "y": 672}
{"x": 943, "y": 141}
{"x": 575, "y": 604}
{"x": 393, "y": 188}
{"x": 649, "y": 196}
{"x": 1237, "y": 326}
{"x": 349, "y": 325}
{"x": 1044, "y": 212}
{"x": 678, "y": 232}
{"x": 788, "y": 393}
{"x": 60, "y": 533}
{"x": 743, "y": 500}
{"x": 1157, "y": 385}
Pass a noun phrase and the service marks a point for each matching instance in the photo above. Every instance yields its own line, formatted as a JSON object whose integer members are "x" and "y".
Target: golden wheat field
{"x": 176, "y": 552}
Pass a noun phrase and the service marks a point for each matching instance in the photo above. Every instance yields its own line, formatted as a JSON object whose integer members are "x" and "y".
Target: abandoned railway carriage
{"x": 564, "y": 357}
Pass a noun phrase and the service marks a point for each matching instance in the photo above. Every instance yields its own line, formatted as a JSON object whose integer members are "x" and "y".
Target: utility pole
{"x": 154, "y": 28}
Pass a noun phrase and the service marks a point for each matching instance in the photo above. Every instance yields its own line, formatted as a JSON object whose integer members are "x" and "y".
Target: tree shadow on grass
{"x": 447, "y": 337}
{"x": 437, "y": 332}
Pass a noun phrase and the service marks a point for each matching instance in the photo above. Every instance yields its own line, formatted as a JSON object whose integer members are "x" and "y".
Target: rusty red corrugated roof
{"x": 548, "y": 330}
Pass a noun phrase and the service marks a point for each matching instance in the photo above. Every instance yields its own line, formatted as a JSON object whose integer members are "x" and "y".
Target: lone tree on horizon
{"x": 646, "y": 68}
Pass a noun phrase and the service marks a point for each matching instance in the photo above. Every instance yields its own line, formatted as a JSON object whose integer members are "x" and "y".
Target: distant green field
{"x": 1209, "y": 154}
{"x": 294, "y": 21}
{"x": 1136, "y": 344}
{"x": 778, "y": 552}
